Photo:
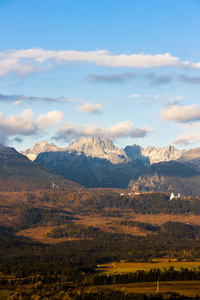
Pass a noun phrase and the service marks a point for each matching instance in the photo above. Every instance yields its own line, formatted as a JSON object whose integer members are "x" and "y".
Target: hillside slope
{"x": 88, "y": 171}
{"x": 17, "y": 172}
{"x": 170, "y": 176}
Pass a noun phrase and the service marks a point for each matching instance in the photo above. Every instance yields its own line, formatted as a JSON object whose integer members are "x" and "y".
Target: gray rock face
{"x": 162, "y": 154}
{"x": 102, "y": 148}
{"x": 153, "y": 155}
{"x": 191, "y": 158}
{"x": 40, "y": 147}
{"x": 96, "y": 162}
{"x": 135, "y": 152}
{"x": 93, "y": 162}
{"x": 170, "y": 176}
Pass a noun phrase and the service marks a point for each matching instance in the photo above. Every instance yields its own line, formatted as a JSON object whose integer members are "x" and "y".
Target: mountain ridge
{"x": 17, "y": 173}
{"x": 105, "y": 149}
{"x": 40, "y": 147}
{"x": 97, "y": 162}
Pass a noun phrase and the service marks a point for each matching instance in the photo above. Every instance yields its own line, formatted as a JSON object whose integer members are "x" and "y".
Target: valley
{"x": 71, "y": 235}
{"x": 63, "y": 240}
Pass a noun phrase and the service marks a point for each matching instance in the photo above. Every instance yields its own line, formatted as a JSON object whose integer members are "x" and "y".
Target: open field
{"x": 39, "y": 234}
{"x": 4, "y": 294}
{"x": 160, "y": 219}
{"x": 105, "y": 224}
{"x": 187, "y": 288}
{"x": 123, "y": 267}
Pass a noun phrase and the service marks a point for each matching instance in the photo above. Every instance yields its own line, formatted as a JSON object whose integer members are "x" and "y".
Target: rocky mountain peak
{"x": 40, "y": 147}
{"x": 84, "y": 144}
{"x": 102, "y": 148}
{"x": 135, "y": 152}
{"x": 152, "y": 155}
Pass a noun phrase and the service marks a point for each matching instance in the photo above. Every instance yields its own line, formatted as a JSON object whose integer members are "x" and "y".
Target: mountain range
{"x": 97, "y": 162}
{"x": 93, "y": 162}
{"x": 104, "y": 148}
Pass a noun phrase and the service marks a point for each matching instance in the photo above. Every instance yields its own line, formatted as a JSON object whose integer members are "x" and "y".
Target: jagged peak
{"x": 39, "y": 147}
{"x": 93, "y": 142}
{"x": 102, "y": 148}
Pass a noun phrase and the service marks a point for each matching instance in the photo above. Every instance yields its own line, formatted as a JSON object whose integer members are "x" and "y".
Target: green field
{"x": 187, "y": 288}
{"x": 124, "y": 267}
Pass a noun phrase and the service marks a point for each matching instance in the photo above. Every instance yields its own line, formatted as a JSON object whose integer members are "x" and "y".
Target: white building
{"x": 174, "y": 197}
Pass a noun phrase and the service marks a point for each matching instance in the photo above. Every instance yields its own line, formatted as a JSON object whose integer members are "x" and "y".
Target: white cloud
{"x": 127, "y": 129}
{"x": 100, "y": 57}
{"x": 162, "y": 98}
{"x": 120, "y": 129}
{"x": 49, "y": 119}
{"x": 134, "y": 96}
{"x": 10, "y": 64}
{"x": 69, "y": 131}
{"x": 180, "y": 113}
{"x": 186, "y": 126}
{"x": 190, "y": 135}
{"x": 188, "y": 138}
{"x": 176, "y": 98}
{"x": 17, "y": 102}
{"x": 23, "y": 124}
{"x": 90, "y": 108}
{"x": 17, "y": 98}
{"x": 91, "y": 130}
{"x": 36, "y": 60}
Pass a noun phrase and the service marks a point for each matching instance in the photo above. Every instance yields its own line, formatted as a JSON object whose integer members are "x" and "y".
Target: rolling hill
{"x": 17, "y": 172}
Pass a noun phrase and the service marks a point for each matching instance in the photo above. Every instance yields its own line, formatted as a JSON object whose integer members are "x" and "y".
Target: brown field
{"x": 124, "y": 267}
{"x": 105, "y": 224}
{"x": 160, "y": 219}
{"x": 39, "y": 234}
{"x": 187, "y": 288}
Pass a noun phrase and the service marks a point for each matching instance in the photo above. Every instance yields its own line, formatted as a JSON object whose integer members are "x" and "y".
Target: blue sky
{"x": 128, "y": 70}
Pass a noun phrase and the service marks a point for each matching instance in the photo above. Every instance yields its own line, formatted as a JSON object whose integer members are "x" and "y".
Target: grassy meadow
{"x": 187, "y": 288}
{"x": 124, "y": 267}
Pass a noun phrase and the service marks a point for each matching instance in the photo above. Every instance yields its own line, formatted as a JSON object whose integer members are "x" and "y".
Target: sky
{"x": 127, "y": 70}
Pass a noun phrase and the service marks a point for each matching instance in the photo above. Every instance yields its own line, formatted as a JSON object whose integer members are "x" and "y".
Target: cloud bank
{"x": 17, "y": 99}
{"x": 127, "y": 129}
{"x": 70, "y": 131}
{"x": 179, "y": 113}
{"x": 23, "y": 124}
{"x": 112, "y": 78}
{"x": 90, "y": 108}
{"x": 37, "y": 60}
